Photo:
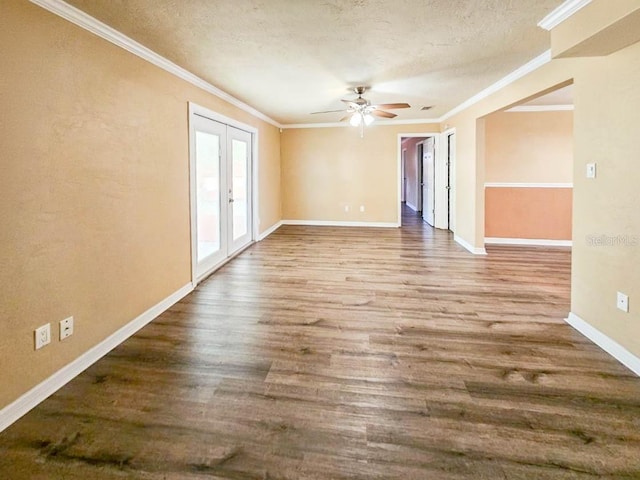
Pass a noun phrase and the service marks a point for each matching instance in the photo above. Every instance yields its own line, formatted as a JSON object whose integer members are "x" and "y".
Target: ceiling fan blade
{"x": 380, "y": 113}
{"x": 344, "y": 119}
{"x": 392, "y": 106}
{"x": 351, "y": 103}
{"x": 327, "y": 111}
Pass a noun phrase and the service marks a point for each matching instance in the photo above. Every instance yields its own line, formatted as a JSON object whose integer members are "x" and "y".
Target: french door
{"x": 220, "y": 193}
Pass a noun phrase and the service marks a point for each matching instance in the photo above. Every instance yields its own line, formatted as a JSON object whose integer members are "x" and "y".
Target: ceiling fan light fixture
{"x": 368, "y": 119}
{"x": 356, "y": 119}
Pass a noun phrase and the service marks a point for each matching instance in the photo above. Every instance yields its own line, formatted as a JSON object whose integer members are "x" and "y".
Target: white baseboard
{"x": 468, "y": 246}
{"x": 269, "y": 231}
{"x": 411, "y": 206}
{"x": 331, "y": 223}
{"x": 609, "y": 345}
{"x": 40, "y": 392}
{"x": 536, "y": 242}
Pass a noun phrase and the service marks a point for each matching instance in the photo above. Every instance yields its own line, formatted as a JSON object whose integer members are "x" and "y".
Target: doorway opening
{"x": 417, "y": 169}
{"x": 529, "y": 171}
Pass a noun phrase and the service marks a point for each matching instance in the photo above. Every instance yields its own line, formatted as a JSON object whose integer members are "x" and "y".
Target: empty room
{"x": 303, "y": 240}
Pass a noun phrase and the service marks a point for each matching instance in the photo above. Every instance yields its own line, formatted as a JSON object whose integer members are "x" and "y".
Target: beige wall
{"x": 529, "y": 147}
{"x": 94, "y": 187}
{"x": 326, "y": 169}
{"x": 604, "y": 27}
{"x": 607, "y": 116}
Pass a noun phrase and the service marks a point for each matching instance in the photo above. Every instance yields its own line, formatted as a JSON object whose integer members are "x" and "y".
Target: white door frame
{"x": 440, "y": 180}
{"x": 420, "y": 176}
{"x": 443, "y": 163}
{"x": 195, "y": 109}
{"x": 403, "y": 175}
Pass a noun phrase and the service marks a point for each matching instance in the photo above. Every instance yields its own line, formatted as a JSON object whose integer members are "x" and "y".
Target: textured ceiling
{"x": 287, "y": 58}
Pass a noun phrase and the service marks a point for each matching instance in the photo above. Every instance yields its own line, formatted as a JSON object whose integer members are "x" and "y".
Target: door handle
{"x": 231, "y": 200}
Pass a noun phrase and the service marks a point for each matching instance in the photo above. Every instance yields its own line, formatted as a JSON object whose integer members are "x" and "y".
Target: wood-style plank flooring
{"x": 345, "y": 353}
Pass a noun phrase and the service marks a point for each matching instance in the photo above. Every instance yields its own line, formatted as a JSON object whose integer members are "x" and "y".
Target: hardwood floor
{"x": 345, "y": 353}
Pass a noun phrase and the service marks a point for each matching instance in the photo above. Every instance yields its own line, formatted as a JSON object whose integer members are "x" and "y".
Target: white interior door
{"x": 428, "y": 181}
{"x": 221, "y": 193}
{"x": 239, "y": 189}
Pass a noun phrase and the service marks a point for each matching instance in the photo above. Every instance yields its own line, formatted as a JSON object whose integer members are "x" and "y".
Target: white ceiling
{"x": 288, "y": 58}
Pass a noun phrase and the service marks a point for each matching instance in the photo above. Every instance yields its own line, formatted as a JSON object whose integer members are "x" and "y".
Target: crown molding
{"x": 541, "y": 108}
{"x": 563, "y": 12}
{"x": 91, "y": 24}
{"x": 525, "y": 69}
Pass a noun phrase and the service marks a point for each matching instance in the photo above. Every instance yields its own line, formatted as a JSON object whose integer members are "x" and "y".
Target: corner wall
{"x": 606, "y": 231}
{"x": 606, "y": 227}
{"x": 94, "y": 186}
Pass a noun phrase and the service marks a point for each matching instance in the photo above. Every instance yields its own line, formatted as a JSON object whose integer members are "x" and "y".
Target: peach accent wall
{"x": 94, "y": 188}
{"x": 532, "y": 213}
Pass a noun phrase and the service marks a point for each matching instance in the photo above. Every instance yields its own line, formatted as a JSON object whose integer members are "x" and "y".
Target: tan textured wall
{"x": 529, "y": 147}
{"x": 600, "y": 28}
{"x": 326, "y": 169}
{"x": 94, "y": 188}
{"x": 607, "y": 116}
{"x": 532, "y": 213}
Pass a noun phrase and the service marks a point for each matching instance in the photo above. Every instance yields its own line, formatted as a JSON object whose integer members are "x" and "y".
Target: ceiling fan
{"x": 360, "y": 112}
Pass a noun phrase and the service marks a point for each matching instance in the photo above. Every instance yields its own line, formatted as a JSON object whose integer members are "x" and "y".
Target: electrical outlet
{"x": 591, "y": 170}
{"x": 362, "y": 208}
{"x": 346, "y": 208}
{"x": 66, "y": 328}
{"x": 623, "y": 302}
{"x": 43, "y": 336}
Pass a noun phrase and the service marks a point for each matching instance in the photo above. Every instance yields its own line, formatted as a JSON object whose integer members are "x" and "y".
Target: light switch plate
{"x": 591, "y": 170}
{"x": 623, "y": 302}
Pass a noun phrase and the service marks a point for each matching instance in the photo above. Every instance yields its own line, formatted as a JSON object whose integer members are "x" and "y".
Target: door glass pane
{"x": 208, "y": 193}
{"x": 240, "y": 207}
